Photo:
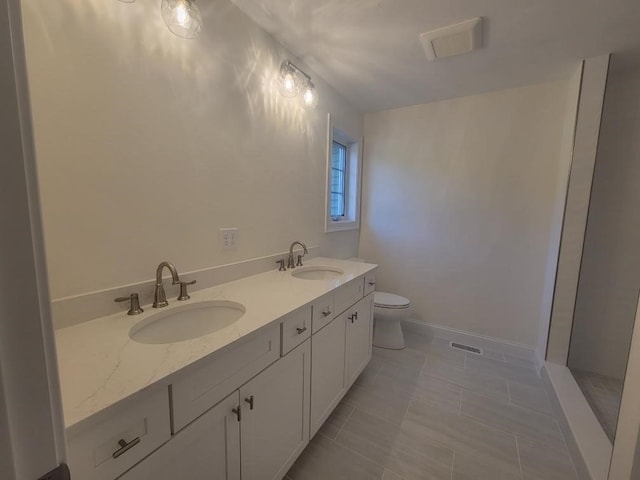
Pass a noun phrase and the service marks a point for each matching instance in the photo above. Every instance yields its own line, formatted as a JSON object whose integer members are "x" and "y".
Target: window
{"x": 343, "y": 180}
{"x": 338, "y": 181}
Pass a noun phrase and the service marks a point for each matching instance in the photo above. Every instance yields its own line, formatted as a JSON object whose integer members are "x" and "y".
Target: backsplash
{"x": 81, "y": 308}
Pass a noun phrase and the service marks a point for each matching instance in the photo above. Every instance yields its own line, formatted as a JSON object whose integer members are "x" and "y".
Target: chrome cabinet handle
{"x": 249, "y": 400}
{"x": 353, "y": 317}
{"x": 301, "y": 330}
{"x": 372, "y": 283}
{"x": 125, "y": 447}
{"x": 238, "y": 412}
{"x": 327, "y": 313}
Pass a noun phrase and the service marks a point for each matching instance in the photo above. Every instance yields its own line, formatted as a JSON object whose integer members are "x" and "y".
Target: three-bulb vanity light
{"x": 293, "y": 82}
{"x": 182, "y": 17}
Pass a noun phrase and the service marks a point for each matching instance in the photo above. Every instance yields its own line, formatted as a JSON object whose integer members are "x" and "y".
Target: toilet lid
{"x": 389, "y": 300}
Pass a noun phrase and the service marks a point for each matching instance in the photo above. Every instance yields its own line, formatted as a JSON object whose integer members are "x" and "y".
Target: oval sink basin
{"x": 186, "y": 322}
{"x": 317, "y": 273}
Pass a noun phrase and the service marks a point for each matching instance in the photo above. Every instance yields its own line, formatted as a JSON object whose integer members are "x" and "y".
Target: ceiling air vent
{"x": 453, "y": 40}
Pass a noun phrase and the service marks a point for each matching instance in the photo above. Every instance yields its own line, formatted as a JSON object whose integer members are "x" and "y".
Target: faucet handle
{"x": 134, "y": 307}
{"x": 183, "y": 290}
{"x": 282, "y": 267}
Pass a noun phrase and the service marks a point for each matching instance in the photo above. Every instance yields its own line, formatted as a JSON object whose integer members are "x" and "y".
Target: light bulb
{"x": 289, "y": 84}
{"x": 309, "y": 97}
{"x": 182, "y": 17}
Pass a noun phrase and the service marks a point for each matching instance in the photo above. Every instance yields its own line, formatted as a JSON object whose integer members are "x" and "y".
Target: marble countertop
{"x": 100, "y": 365}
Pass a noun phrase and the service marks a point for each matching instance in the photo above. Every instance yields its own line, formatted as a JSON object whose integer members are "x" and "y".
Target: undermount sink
{"x": 186, "y": 322}
{"x": 317, "y": 273}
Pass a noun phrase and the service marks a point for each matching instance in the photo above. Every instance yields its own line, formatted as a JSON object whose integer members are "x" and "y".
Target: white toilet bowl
{"x": 388, "y": 311}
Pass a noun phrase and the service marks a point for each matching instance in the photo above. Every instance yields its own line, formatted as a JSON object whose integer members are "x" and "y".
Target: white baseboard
{"x": 476, "y": 340}
{"x": 588, "y": 444}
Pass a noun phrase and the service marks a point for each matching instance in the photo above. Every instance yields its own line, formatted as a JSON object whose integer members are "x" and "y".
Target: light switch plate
{"x": 228, "y": 238}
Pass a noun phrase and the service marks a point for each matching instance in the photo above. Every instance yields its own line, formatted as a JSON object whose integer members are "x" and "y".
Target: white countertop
{"x": 100, "y": 365}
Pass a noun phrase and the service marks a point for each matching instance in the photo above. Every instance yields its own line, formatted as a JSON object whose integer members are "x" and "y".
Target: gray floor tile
{"x": 540, "y": 461}
{"x": 490, "y": 385}
{"x": 464, "y": 435}
{"x": 389, "y": 475}
{"x": 386, "y": 444}
{"x": 432, "y": 412}
{"x": 491, "y": 354}
{"x": 332, "y": 425}
{"x": 438, "y": 392}
{"x": 386, "y": 398}
{"x": 467, "y": 467}
{"x": 533, "y": 397}
{"x": 511, "y": 418}
{"x": 324, "y": 459}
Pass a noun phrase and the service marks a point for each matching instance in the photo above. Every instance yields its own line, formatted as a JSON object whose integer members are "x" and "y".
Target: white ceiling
{"x": 369, "y": 49}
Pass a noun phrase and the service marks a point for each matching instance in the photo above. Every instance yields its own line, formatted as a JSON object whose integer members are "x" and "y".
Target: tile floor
{"x": 604, "y": 395}
{"x": 434, "y": 413}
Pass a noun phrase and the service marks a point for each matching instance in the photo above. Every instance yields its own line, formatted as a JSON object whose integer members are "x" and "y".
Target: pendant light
{"x": 182, "y": 17}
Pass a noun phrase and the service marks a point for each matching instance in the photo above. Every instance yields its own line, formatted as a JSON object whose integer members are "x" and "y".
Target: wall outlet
{"x": 228, "y": 238}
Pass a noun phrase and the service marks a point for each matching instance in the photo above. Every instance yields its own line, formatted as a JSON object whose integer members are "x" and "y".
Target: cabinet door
{"x": 327, "y": 374}
{"x": 207, "y": 449}
{"x": 359, "y": 322}
{"x": 275, "y": 416}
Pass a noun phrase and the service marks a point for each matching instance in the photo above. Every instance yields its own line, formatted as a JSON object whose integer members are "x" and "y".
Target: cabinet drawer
{"x": 296, "y": 328}
{"x": 108, "y": 448}
{"x": 347, "y": 295}
{"x": 369, "y": 283}
{"x": 322, "y": 312}
{"x": 200, "y": 389}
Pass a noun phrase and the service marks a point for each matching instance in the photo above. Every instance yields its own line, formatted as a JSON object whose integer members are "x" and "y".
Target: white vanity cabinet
{"x": 327, "y": 375}
{"x": 208, "y": 448}
{"x": 247, "y": 411}
{"x": 359, "y": 338}
{"x": 340, "y": 351}
{"x": 258, "y": 430}
{"x": 275, "y": 416}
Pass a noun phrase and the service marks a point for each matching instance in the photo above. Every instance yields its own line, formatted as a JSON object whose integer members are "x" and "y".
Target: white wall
{"x": 458, "y": 201}
{"x": 148, "y": 144}
{"x": 557, "y": 219}
{"x": 594, "y": 79}
{"x": 610, "y": 274}
{"x": 31, "y": 427}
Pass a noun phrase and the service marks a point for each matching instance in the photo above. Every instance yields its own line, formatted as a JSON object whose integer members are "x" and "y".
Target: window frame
{"x": 351, "y": 218}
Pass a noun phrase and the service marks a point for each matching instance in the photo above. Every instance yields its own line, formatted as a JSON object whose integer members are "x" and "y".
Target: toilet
{"x": 388, "y": 312}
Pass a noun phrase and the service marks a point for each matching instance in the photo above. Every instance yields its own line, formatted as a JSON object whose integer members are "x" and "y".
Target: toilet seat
{"x": 390, "y": 300}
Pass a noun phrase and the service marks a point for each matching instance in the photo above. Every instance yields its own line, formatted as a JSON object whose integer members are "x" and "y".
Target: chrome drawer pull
{"x": 249, "y": 400}
{"x": 301, "y": 330}
{"x": 327, "y": 313}
{"x": 125, "y": 447}
{"x": 372, "y": 283}
{"x": 353, "y": 317}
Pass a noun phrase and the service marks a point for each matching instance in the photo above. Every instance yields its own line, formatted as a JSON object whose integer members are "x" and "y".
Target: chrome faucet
{"x": 290, "y": 262}
{"x": 159, "y": 297}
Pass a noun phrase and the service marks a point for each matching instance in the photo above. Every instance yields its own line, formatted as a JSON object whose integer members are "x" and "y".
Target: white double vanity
{"x": 241, "y": 402}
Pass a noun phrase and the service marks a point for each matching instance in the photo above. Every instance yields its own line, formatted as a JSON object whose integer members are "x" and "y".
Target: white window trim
{"x": 354, "y": 175}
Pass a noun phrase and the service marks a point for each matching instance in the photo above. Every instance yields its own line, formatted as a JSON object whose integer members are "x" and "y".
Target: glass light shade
{"x": 309, "y": 96}
{"x": 289, "y": 81}
{"x": 182, "y": 17}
